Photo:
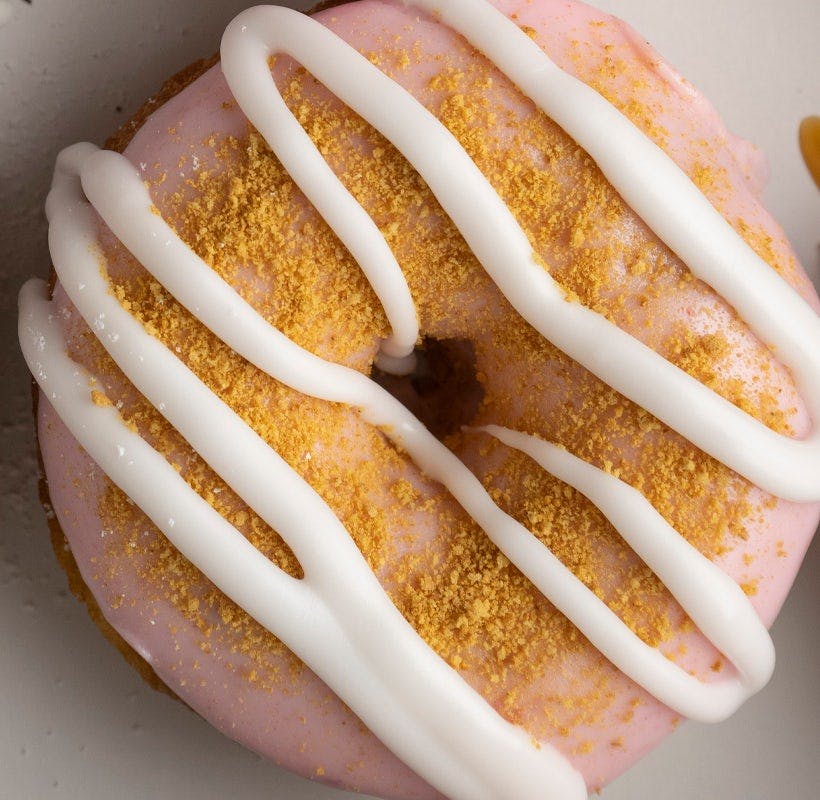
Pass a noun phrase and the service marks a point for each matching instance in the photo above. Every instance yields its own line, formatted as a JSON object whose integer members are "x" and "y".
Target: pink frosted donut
{"x": 434, "y": 419}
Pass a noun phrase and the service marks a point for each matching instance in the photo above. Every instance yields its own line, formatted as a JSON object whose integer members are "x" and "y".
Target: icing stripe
{"x": 119, "y": 196}
{"x": 343, "y": 213}
{"x": 713, "y": 601}
{"x": 422, "y": 707}
{"x": 428, "y": 705}
{"x": 786, "y": 467}
{"x": 659, "y": 192}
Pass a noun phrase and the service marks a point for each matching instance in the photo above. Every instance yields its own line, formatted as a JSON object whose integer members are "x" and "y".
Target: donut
{"x": 425, "y": 396}
{"x": 809, "y": 136}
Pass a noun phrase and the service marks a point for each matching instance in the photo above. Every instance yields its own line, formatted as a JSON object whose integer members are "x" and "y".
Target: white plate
{"x": 75, "y": 721}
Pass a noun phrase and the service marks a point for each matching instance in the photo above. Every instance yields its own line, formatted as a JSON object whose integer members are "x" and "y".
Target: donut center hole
{"x": 443, "y": 390}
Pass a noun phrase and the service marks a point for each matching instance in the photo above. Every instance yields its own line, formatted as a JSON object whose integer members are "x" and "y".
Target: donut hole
{"x": 443, "y": 391}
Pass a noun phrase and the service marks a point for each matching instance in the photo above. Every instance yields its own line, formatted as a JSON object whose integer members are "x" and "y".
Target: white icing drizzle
{"x": 339, "y": 620}
{"x": 424, "y": 720}
{"x": 353, "y": 225}
{"x": 714, "y": 602}
{"x": 786, "y": 467}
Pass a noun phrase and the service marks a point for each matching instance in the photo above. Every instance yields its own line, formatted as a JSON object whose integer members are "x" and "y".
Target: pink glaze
{"x": 305, "y": 727}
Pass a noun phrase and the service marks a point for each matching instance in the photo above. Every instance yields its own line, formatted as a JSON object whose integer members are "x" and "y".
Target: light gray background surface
{"x": 75, "y": 720}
